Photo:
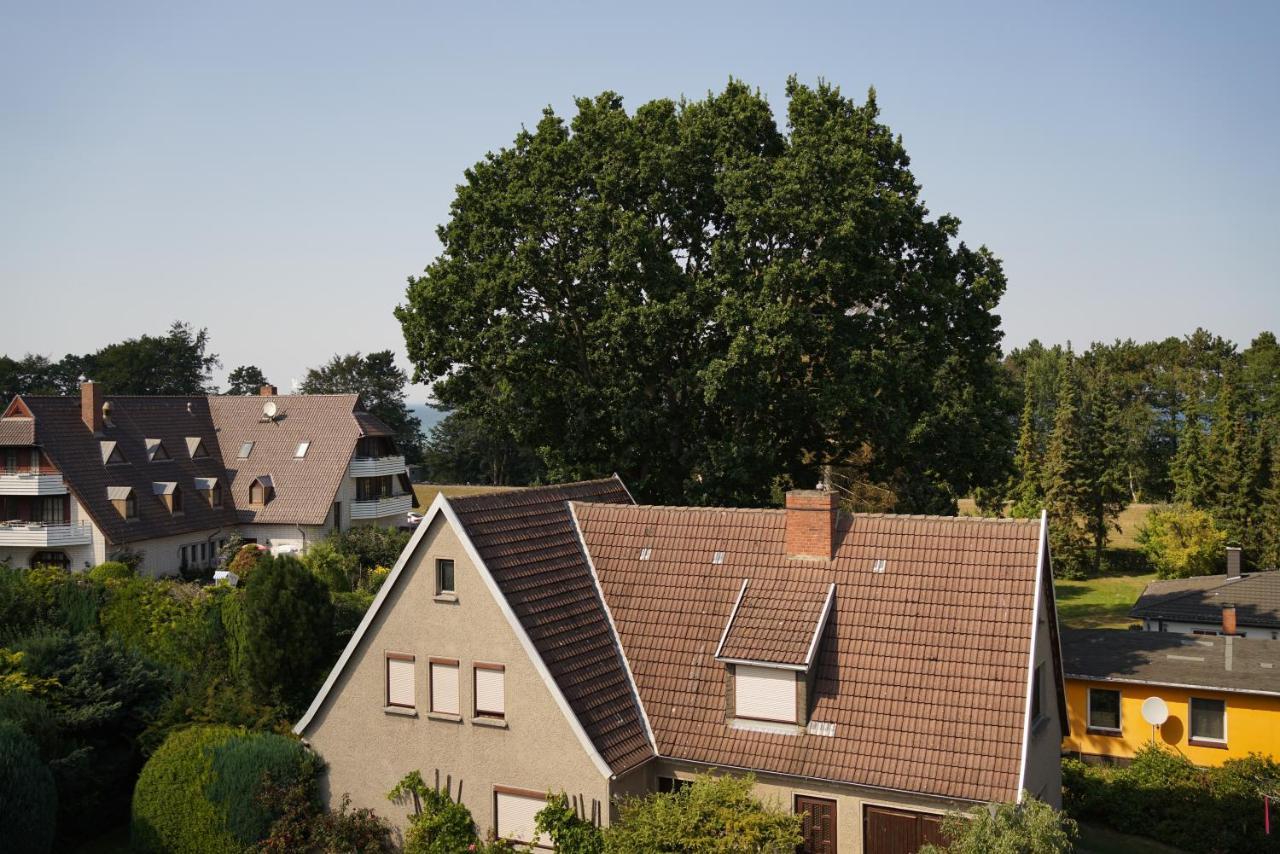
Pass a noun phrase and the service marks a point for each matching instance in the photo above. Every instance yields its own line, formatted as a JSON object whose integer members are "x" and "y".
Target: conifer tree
{"x": 1233, "y": 455}
{"x": 1027, "y": 489}
{"x": 1192, "y": 483}
{"x": 1107, "y": 491}
{"x": 1066, "y": 479}
{"x": 1268, "y": 520}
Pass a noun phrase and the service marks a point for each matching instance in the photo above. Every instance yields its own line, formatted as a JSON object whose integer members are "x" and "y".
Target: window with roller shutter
{"x": 444, "y": 686}
{"x": 515, "y": 811}
{"x": 764, "y": 693}
{"x": 400, "y": 687}
{"x": 490, "y": 690}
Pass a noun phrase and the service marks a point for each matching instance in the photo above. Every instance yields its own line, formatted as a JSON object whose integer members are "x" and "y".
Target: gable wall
{"x": 1043, "y": 770}
{"x": 369, "y": 749}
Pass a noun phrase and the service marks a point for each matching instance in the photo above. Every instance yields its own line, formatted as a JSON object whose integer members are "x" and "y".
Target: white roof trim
{"x": 750, "y": 662}
{"x": 822, "y": 624}
{"x": 733, "y": 615}
{"x": 608, "y": 612}
{"x": 1041, "y": 551}
{"x": 441, "y": 506}
{"x": 1159, "y": 683}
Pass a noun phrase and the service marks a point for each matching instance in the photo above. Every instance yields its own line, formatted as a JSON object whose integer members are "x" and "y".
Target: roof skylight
{"x": 245, "y": 450}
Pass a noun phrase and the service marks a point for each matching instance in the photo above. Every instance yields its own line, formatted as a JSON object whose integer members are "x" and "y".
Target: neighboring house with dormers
{"x": 176, "y": 477}
{"x": 872, "y": 671}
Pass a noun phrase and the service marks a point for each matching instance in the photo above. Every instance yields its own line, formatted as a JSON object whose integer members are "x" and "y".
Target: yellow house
{"x": 1221, "y": 694}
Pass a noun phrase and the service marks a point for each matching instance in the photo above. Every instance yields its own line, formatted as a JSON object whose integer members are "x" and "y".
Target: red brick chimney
{"x": 267, "y": 390}
{"x": 1228, "y": 619}
{"x": 811, "y": 523}
{"x": 91, "y": 406}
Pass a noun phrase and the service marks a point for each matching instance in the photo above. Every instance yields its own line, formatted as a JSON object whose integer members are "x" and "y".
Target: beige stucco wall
{"x": 368, "y": 749}
{"x": 1042, "y": 775}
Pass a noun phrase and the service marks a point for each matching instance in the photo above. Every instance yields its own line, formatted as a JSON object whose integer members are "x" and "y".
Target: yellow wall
{"x": 1253, "y": 723}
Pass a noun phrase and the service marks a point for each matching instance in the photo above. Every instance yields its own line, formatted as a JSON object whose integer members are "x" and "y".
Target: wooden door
{"x": 888, "y": 831}
{"x": 819, "y": 827}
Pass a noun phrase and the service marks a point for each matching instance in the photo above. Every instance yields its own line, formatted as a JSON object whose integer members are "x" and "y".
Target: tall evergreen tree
{"x": 1027, "y": 490}
{"x": 1106, "y": 475}
{"x": 1066, "y": 479}
{"x": 1268, "y": 520}
{"x": 1233, "y": 457}
{"x": 1191, "y": 472}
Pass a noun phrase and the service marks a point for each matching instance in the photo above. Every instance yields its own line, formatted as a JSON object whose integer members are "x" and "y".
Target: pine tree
{"x": 1192, "y": 483}
{"x": 1066, "y": 479}
{"x": 1027, "y": 489}
{"x": 1233, "y": 455}
{"x": 1107, "y": 489}
{"x": 1268, "y": 519}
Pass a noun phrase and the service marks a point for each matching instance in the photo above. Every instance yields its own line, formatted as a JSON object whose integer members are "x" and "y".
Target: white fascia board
{"x": 742, "y": 591}
{"x": 822, "y": 624}
{"x": 797, "y": 668}
{"x": 595, "y": 577}
{"x": 1042, "y": 550}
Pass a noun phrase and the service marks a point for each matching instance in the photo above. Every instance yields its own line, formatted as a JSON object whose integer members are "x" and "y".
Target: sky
{"x": 275, "y": 171}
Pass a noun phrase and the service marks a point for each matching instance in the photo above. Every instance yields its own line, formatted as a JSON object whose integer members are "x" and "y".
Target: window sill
{"x": 446, "y": 598}
{"x": 400, "y": 710}
{"x": 1111, "y": 733}
{"x": 1200, "y": 742}
{"x": 445, "y": 716}
{"x": 496, "y": 723}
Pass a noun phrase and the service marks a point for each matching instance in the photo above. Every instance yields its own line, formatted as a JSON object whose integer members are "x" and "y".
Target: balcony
{"x": 43, "y": 535}
{"x": 381, "y": 508}
{"x": 25, "y": 483}
{"x": 376, "y": 466}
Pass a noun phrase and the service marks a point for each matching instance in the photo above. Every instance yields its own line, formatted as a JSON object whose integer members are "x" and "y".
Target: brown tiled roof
{"x": 528, "y": 541}
{"x": 78, "y": 455}
{"x": 777, "y": 618}
{"x": 17, "y": 431}
{"x": 922, "y": 669}
{"x": 371, "y": 425}
{"x": 304, "y": 488}
{"x": 1200, "y": 600}
{"x": 1166, "y": 658}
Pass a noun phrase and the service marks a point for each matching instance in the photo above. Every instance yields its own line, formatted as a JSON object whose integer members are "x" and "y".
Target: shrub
{"x": 172, "y": 622}
{"x": 377, "y": 576}
{"x": 371, "y": 545}
{"x": 1030, "y": 827}
{"x": 340, "y": 572}
{"x": 27, "y": 794}
{"x": 1181, "y": 541}
{"x": 439, "y": 824}
{"x": 246, "y": 559}
{"x": 304, "y": 825}
{"x": 348, "y": 610}
{"x": 110, "y": 571}
{"x": 201, "y": 790}
{"x": 128, "y": 556}
{"x": 568, "y": 831}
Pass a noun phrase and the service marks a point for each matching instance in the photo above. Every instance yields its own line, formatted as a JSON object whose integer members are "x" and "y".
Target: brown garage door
{"x": 887, "y": 831}
{"x": 819, "y": 827}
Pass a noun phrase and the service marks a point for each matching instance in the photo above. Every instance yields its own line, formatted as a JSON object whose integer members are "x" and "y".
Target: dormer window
{"x": 210, "y": 490}
{"x": 170, "y": 495}
{"x": 110, "y": 453}
{"x": 156, "y": 451}
{"x": 764, "y": 694}
{"x": 195, "y": 448}
{"x": 124, "y": 501}
{"x": 301, "y": 450}
{"x": 261, "y": 491}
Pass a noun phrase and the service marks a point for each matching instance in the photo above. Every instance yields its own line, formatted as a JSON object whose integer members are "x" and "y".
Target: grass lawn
{"x": 426, "y": 492}
{"x": 1095, "y": 839}
{"x": 1099, "y": 603}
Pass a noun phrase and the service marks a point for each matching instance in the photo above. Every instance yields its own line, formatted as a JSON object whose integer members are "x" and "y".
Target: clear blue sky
{"x": 274, "y": 171}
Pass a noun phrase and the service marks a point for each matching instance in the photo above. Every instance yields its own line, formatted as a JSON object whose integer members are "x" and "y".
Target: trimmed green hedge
{"x": 109, "y": 571}
{"x": 28, "y": 798}
{"x": 198, "y": 793}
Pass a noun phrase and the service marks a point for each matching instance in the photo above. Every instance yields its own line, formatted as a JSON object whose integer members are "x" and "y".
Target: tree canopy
{"x": 380, "y": 384}
{"x": 246, "y": 379}
{"x": 711, "y": 306}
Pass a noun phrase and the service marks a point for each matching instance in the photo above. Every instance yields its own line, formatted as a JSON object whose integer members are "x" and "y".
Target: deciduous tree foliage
{"x": 380, "y": 384}
{"x": 706, "y": 303}
{"x": 246, "y": 379}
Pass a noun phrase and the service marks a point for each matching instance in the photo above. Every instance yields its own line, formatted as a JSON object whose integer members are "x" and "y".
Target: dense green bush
{"x": 111, "y": 570}
{"x": 569, "y": 832}
{"x": 305, "y": 826}
{"x": 28, "y": 797}
{"x": 172, "y": 622}
{"x": 200, "y": 791}
{"x": 1029, "y": 827}
{"x": 339, "y": 571}
{"x": 1163, "y": 795}
{"x": 438, "y": 824}
{"x": 1181, "y": 541}
{"x": 348, "y": 610}
{"x": 371, "y": 545}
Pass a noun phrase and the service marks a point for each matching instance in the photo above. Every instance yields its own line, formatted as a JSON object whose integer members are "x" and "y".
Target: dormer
{"x": 195, "y": 448}
{"x": 156, "y": 451}
{"x": 110, "y": 452}
{"x": 769, "y": 648}
{"x": 124, "y": 500}
{"x": 170, "y": 494}
{"x": 209, "y": 489}
{"x": 261, "y": 491}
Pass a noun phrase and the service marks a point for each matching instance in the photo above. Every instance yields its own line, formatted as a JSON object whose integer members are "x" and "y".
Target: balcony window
{"x": 373, "y": 488}
{"x": 52, "y": 510}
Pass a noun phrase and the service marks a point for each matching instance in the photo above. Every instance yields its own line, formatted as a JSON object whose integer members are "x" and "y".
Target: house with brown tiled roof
{"x": 176, "y": 477}
{"x": 872, "y": 671}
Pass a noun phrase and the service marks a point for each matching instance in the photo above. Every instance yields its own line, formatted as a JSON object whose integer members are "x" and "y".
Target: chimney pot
{"x": 1233, "y": 561}
{"x": 91, "y": 406}
{"x": 811, "y": 523}
{"x": 267, "y": 390}
{"x": 1228, "y": 619}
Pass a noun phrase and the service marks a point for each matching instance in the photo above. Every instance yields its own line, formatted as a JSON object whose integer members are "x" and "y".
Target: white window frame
{"x": 300, "y": 452}
{"x": 1088, "y": 712}
{"x": 1193, "y": 739}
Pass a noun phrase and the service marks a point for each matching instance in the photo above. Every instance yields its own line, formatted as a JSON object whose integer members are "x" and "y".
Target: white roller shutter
{"x": 516, "y": 814}
{"x": 400, "y": 683}
{"x": 490, "y": 692}
{"x": 444, "y": 688}
{"x": 764, "y": 693}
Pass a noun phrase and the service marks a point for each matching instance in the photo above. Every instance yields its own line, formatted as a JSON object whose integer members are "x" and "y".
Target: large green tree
{"x": 1067, "y": 478}
{"x": 381, "y": 386}
{"x": 710, "y": 305}
{"x": 246, "y": 379}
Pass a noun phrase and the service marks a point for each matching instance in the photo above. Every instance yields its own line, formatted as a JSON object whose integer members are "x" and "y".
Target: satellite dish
{"x": 269, "y": 409}
{"x": 1155, "y": 711}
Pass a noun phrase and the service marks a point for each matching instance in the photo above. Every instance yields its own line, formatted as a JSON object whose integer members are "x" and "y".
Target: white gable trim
{"x": 822, "y": 624}
{"x": 733, "y": 615}
{"x": 1042, "y": 551}
{"x": 608, "y": 612}
{"x": 441, "y": 506}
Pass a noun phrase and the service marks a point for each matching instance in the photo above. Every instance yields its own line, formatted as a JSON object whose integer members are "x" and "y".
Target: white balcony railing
{"x": 32, "y": 484}
{"x": 45, "y": 535}
{"x": 381, "y": 508}
{"x": 377, "y": 466}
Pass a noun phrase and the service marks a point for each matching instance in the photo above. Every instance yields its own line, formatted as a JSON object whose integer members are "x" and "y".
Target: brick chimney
{"x": 91, "y": 406}
{"x": 268, "y": 390}
{"x": 1233, "y": 561}
{"x": 1228, "y": 619}
{"x": 811, "y": 523}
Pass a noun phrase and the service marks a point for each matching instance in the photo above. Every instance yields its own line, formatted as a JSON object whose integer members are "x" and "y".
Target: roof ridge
{"x": 913, "y": 516}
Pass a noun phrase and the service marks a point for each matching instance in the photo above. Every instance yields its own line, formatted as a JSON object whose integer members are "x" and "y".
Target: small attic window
{"x": 111, "y": 453}
{"x": 245, "y": 450}
{"x": 261, "y": 491}
{"x": 646, "y": 553}
{"x": 195, "y": 447}
{"x": 717, "y": 558}
{"x": 301, "y": 450}
{"x": 124, "y": 501}
{"x": 156, "y": 451}
{"x": 210, "y": 490}
{"x": 170, "y": 493}
{"x": 878, "y": 565}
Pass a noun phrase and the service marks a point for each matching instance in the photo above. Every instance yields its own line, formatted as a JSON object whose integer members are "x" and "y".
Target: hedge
{"x": 110, "y": 571}
{"x": 198, "y": 793}
{"x": 28, "y": 798}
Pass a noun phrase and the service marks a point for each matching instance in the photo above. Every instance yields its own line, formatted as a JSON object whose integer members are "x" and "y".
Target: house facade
{"x": 1221, "y": 694}
{"x": 873, "y": 672}
{"x": 1245, "y": 605}
{"x": 176, "y": 477}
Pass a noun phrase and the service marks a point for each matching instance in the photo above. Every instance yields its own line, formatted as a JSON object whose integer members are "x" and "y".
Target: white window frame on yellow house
{"x": 1201, "y": 741}
{"x": 1088, "y": 712}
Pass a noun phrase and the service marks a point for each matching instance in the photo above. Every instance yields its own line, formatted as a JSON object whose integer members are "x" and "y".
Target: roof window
{"x": 878, "y": 565}
{"x": 717, "y": 558}
{"x": 261, "y": 491}
{"x": 245, "y": 450}
{"x": 301, "y": 450}
{"x": 195, "y": 448}
{"x": 110, "y": 453}
{"x": 156, "y": 451}
{"x": 124, "y": 501}
{"x": 646, "y": 553}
